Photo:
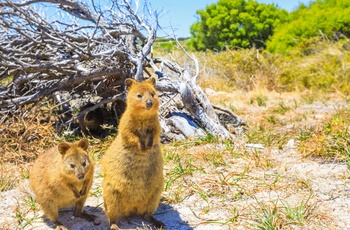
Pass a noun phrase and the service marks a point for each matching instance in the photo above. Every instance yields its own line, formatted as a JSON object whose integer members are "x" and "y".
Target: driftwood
{"x": 89, "y": 49}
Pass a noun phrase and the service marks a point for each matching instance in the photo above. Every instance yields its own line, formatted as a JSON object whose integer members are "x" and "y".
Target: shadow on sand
{"x": 165, "y": 213}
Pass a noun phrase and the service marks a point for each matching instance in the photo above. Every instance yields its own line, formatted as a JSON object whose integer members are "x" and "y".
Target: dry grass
{"x": 331, "y": 139}
{"x": 23, "y": 137}
{"x": 250, "y": 180}
{"x": 223, "y": 183}
{"x": 247, "y": 186}
{"x": 321, "y": 66}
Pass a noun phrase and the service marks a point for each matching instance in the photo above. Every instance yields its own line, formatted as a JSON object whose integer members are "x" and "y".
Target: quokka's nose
{"x": 149, "y": 104}
{"x": 81, "y": 176}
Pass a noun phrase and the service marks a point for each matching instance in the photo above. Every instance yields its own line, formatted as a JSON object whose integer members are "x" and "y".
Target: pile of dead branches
{"x": 59, "y": 51}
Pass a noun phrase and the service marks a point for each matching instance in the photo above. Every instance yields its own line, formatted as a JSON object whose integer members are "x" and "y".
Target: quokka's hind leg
{"x": 79, "y": 212}
{"x": 60, "y": 226}
{"x": 114, "y": 226}
{"x": 152, "y": 206}
{"x": 51, "y": 212}
{"x": 149, "y": 218}
{"x": 112, "y": 202}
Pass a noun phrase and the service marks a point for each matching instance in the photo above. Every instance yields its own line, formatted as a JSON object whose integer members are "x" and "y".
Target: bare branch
{"x": 89, "y": 49}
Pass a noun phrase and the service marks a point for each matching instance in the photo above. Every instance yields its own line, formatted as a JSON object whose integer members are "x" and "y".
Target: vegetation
{"x": 247, "y": 24}
{"x": 296, "y": 104}
{"x": 325, "y": 69}
{"x": 331, "y": 139}
{"x": 235, "y": 23}
{"x": 327, "y": 19}
{"x": 314, "y": 119}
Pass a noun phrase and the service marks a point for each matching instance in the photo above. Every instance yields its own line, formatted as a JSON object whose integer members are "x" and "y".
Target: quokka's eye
{"x": 139, "y": 96}
{"x": 83, "y": 164}
{"x": 72, "y": 166}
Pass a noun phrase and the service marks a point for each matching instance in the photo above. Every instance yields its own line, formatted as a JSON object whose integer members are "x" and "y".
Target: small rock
{"x": 290, "y": 144}
{"x": 255, "y": 146}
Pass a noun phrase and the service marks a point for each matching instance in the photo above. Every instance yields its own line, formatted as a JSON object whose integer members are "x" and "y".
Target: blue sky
{"x": 181, "y": 14}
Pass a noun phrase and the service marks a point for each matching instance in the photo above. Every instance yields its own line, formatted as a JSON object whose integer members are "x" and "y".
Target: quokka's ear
{"x": 152, "y": 80}
{"x": 129, "y": 82}
{"x": 83, "y": 143}
{"x": 63, "y": 148}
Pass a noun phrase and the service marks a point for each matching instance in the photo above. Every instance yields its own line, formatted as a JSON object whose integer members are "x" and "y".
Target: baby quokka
{"x": 61, "y": 177}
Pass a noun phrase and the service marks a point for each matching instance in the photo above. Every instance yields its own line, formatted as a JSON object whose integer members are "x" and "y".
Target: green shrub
{"x": 235, "y": 23}
{"x": 327, "y": 19}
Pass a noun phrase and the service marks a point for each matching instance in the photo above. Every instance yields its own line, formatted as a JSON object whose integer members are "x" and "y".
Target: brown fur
{"x": 133, "y": 164}
{"x": 62, "y": 177}
{"x": 90, "y": 122}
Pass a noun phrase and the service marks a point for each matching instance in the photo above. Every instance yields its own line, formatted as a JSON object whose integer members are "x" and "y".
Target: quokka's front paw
{"x": 149, "y": 141}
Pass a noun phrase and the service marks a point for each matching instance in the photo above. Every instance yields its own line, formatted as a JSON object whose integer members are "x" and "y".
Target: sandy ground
{"x": 325, "y": 186}
{"x": 329, "y": 183}
{"x": 14, "y": 200}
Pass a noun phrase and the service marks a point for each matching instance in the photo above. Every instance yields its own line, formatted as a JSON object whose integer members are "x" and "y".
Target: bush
{"x": 235, "y": 23}
{"x": 327, "y": 19}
